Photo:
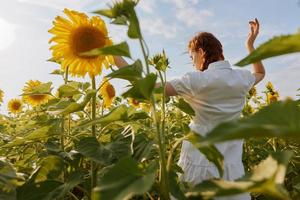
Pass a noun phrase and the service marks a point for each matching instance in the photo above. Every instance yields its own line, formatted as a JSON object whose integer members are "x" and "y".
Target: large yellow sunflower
{"x": 76, "y": 35}
{"x": 108, "y": 93}
{"x": 1, "y": 96}
{"x": 15, "y": 106}
{"x": 34, "y": 100}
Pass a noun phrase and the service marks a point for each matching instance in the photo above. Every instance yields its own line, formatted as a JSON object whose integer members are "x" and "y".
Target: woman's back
{"x": 217, "y": 94}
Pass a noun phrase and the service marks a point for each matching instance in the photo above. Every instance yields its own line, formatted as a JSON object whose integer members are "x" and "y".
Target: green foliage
{"x": 92, "y": 149}
{"x": 121, "y": 49}
{"x": 272, "y": 121}
{"x": 266, "y": 178}
{"x": 44, "y": 88}
{"x": 142, "y": 88}
{"x": 185, "y": 107}
{"x": 132, "y": 179}
{"x": 211, "y": 152}
{"x": 277, "y": 46}
{"x": 131, "y": 72}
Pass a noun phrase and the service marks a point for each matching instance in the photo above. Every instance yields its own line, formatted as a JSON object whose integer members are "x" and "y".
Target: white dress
{"x": 217, "y": 95}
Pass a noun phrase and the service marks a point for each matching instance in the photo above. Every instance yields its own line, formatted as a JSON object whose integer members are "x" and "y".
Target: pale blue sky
{"x": 166, "y": 24}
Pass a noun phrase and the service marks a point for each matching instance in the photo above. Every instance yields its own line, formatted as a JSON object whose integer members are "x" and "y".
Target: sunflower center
{"x": 135, "y": 102}
{"x": 87, "y": 38}
{"x": 16, "y": 105}
{"x": 110, "y": 91}
{"x": 38, "y": 97}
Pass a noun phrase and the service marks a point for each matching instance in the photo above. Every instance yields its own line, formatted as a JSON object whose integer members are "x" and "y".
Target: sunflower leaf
{"x": 277, "y": 46}
{"x": 118, "y": 113}
{"x": 75, "y": 107}
{"x": 130, "y": 72}
{"x": 67, "y": 91}
{"x": 266, "y": 178}
{"x": 121, "y": 49}
{"x": 134, "y": 30}
{"x": 185, "y": 107}
{"x": 272, "y": 121}
{"x": 44, "y": 88}
{"x": 211, "y": 152}
{"x": 128, "y": 178}
{"x": 92, "y": 149}
{"x": 143, "y": 88}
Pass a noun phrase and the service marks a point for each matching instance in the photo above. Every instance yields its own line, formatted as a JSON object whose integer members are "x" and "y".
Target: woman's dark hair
{"x": 211, "y": 46}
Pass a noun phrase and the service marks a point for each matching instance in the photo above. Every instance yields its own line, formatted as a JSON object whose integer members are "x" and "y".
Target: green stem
{"x": 62, "y": 138}
{"x": 145, "y": 55}
{"x": 163, "y": 172}
{"x": 163, "y": 107}
{"x": 170, "y": 158}
{"x": 93, "y": 164}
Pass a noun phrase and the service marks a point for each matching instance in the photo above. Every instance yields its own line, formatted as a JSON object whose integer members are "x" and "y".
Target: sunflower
{"x": 135, "y": 103}
{"x": 108, "y": 93}
{"x": 1, "y": 96}
{"x": 75, "y": 35}
{"x": 252, "y": 91}
{"x": 37, "y": 99}
{"x": 269, "y": 86}
{"x": 15, "y": 106}
{"x": 272, "y": 97}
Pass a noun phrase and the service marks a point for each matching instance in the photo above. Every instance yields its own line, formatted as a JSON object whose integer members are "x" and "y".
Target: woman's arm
{"x": 120, "y": 62}
{"x": 170, "y": 91}
{"x": 258, "y": 67}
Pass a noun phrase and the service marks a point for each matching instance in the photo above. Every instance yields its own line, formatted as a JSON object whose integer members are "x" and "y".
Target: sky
{"x": 166, "y": 24}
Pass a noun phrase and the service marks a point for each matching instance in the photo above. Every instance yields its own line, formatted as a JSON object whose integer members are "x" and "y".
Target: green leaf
{"x": 121, "y": 49}
{"x": 143, "y": 88}
{"x": 211, "y": 152}
{"x": 37, "y": 191}
{"x": 117, "y": 114}
{"x": 280, "y": 119}
{"x": 50, "y": 168}
{"x": 277, "y": 46}
{"x": 174, "y": 183}
{"x": 8, "y": 181}
{"x": 44, "y": 88}
{"x": 105, "y": 12}
{"x": 267, "y": 178}
{"x": 67, "y": 91}
{"x": 57, "y": 72}
{"x": 142, "y": 147}
{"x": 74, "y": 179}
{"x": 130, "y": 72}
{"x": 41, "y": 133}
{"x": 122, "y": 20}
{"x": 124, "y": 180}
{"x": 75, "y": 107}
{"x": 185, "y": 107}
{"x": 134, "y": 26}
{"x": 92, "y": 149}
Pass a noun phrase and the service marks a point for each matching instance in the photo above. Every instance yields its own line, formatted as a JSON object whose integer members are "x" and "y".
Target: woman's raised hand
{"x": 254, "y": 30}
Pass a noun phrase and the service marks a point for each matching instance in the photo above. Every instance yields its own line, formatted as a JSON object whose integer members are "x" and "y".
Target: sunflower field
{"x": 82, "y": 142}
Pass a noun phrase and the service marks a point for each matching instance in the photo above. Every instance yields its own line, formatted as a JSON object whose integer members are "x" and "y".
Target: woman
{"x": 217, "y": 93}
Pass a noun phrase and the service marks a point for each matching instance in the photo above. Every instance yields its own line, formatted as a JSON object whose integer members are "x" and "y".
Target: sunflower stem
{"x": 93, "y": 164}
{"x": 163, "y": 179}
{"x": 62, "y": 139}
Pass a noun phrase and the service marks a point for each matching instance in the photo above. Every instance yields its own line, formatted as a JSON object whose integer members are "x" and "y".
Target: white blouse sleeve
{"x": 249, "y": 79}
{"x": 187, "y": 85}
